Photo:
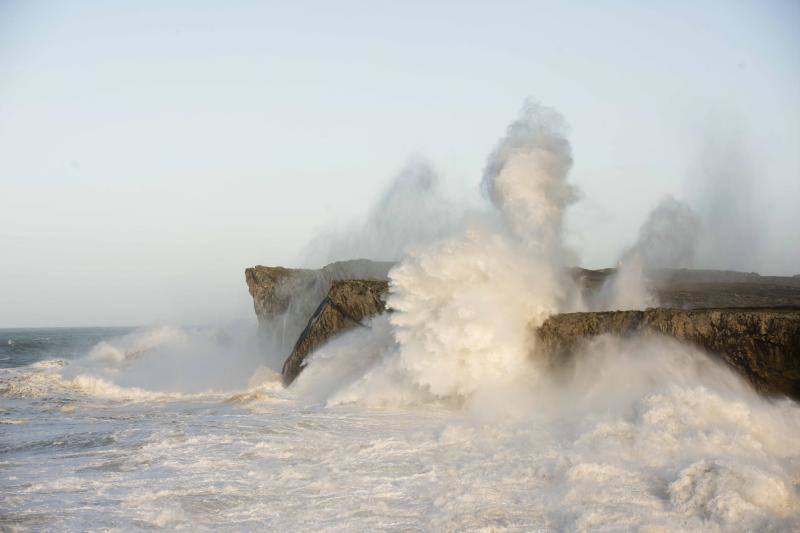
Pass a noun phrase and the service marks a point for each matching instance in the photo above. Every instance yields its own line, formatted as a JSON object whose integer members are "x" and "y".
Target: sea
{"x": 190, "y": 428}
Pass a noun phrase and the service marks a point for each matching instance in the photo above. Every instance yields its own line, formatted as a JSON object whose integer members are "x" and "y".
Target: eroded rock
{"x": 285, "y": 298}
{"x": 761, "y": 344}
{"x": 347, "y": 304}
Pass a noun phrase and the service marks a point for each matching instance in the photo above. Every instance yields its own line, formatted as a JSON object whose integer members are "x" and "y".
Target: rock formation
{"x": 285, "y": 298}
{"x": 347, "y": 304}
{"x": 761, "y": 344}
{"x": 751, "y": 322}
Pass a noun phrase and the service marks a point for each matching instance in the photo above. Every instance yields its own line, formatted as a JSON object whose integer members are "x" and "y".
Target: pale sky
{"x": 150, "y": 151}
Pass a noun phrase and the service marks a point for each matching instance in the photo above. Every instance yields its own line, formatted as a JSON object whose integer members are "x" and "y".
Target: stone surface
{"x": 347, "y": 304}
{"x": 761, "y": 344}
{"x": 285, "y": 298}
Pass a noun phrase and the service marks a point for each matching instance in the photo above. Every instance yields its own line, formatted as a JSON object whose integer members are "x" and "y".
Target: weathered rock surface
{"x": 761, "y": 344}
{"x": 347, "y": 304}
{"x": 285, "y": 298}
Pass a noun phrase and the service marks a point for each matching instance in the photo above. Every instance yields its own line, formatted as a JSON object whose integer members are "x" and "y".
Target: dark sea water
{"x": 20, "y": 347}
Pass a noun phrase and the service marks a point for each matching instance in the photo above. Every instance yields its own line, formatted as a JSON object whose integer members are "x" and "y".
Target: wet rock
{"x": 761, "y": 344}
{"x": 285, "y": 298}
{"x": 346, "y": 306}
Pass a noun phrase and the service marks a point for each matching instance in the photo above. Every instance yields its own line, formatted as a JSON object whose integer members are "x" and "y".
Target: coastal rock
{"x": 347, "y": 304}
{"x": 761, "y": 344}
{"x": 748, "y": 320}
{"x": 285, "y": 298}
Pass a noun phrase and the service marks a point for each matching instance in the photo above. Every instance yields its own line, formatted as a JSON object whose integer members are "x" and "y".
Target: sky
{"x": 150, "y": 151}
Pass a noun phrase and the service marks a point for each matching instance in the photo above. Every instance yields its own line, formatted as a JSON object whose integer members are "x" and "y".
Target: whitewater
{"x": 643, "y": 436}
{"x": 437, "y": 416}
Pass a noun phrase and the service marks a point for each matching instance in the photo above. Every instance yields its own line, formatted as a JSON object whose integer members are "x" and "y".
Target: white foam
{"x": 462, "y": 308}
{"x": 638, "y": 434}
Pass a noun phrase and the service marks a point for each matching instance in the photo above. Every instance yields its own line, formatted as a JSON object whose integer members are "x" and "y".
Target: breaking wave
{"x": 47, "y": 381}
{"x": 152, "y": 364}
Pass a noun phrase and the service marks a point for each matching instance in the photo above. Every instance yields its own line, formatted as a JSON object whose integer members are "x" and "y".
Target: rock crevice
{"x": 346, "y": 306}
{"x": 285, "y": 298}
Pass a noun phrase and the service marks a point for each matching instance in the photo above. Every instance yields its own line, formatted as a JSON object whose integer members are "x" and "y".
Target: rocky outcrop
{"x": 761, "y": 344}
{"x": 285, "y": 298}
{"x": 347, "y": 304}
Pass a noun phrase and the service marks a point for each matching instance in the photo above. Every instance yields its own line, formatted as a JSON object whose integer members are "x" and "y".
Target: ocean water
{"x": 184, "y": 428}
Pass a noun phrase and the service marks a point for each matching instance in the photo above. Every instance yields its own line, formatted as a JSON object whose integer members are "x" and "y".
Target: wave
{"x": 46, "y": 382}
{"x": 137, "y": 344}
{"x": 149, "y": 365}
{"x": 152, "y": 364}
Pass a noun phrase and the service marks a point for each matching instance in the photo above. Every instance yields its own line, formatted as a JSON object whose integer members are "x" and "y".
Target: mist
{"x": 412, "y": 210}
{"x": 169, "y": 359}
{"x": 667, "y": 240}
{"x": 724, "y": 188}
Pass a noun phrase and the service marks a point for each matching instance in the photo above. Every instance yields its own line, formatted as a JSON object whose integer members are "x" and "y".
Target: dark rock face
{"x": 761, "y": 344}
{"x": 346, "y": 305}
{"x": 285, "y": 298}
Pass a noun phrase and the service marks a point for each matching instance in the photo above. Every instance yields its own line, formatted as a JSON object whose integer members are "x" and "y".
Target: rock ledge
{"x": 761, "y": 344}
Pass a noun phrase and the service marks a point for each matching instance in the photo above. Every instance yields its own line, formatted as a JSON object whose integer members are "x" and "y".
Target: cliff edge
{"x": 761, "y": 344}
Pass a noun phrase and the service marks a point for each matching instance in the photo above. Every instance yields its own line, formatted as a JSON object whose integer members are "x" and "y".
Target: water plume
{"x": 462, "y": 306}
{"x": 723, "y": 189}
{"x": 173, "y": 359}
{"x": 412, "y": 210}
{"x": 666, "y": 240}
{"x": 526, "y": 178}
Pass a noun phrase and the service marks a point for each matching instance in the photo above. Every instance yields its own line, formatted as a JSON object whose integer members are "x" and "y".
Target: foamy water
{"x": 644, "y": 435}
{"x": 436, "y": 417}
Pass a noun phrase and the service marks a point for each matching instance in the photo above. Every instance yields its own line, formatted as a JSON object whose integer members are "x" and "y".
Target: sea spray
{"x": 526, "y": 179}
{"x": 412, "y": 211}
{"x": 634, "y": 434}
{"x": 638, "y": 434}
{"x": 136, "y": 344}
{"x": 462, "y": 307}
{"x": 461, "y": 311}
{"x": 667, "y": 239}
